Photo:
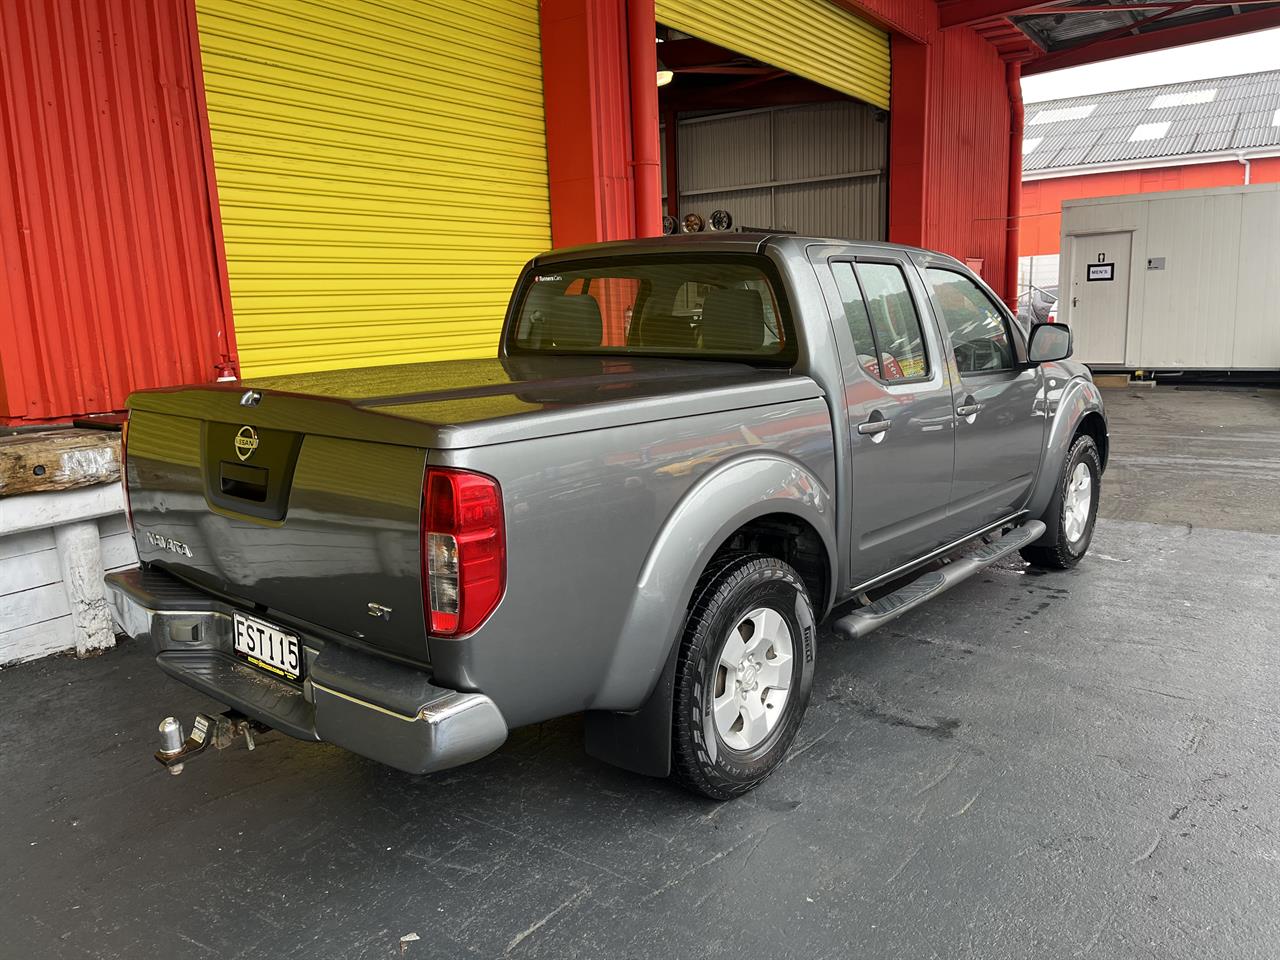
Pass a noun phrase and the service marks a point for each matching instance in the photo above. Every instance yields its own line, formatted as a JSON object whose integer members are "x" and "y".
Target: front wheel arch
{"x": 1079, "y": 410}
{"x": 1062, "y": 551}
{"x": 1095, "y": 426}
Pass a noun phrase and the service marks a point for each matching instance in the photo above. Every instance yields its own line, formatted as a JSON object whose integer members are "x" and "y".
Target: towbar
{"x": 220, "y": 732}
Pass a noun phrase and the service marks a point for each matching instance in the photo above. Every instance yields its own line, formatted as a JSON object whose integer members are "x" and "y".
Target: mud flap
{"x": 639, "y": 741}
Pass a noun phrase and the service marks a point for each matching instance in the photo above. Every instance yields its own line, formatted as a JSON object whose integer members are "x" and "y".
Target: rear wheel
{"x": 743, "y": 676}
{"x": 1075, "y": 507}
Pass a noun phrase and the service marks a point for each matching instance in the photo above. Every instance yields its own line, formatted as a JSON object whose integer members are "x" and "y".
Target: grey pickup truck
{"x": 687, "y": 454}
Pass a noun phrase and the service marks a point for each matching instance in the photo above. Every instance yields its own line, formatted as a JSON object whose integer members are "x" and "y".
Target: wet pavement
{"x": 1057, "y": 765}
{"x": 1204, "y": 456}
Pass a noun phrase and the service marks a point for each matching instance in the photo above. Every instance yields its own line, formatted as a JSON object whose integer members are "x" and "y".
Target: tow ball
{"x": 220, "y": 732}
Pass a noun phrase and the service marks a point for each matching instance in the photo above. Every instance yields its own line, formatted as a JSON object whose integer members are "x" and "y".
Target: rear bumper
{"x": 383, "y": 710}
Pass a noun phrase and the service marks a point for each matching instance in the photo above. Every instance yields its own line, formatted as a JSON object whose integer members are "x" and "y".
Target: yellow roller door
{"x": 382, "y": 174}
{"x": 811, "y": 38}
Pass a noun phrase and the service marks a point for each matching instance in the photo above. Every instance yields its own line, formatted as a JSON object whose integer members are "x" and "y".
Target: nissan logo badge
{"x": 246, "y": 442}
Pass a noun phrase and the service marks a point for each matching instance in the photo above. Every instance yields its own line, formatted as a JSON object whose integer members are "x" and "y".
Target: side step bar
{"x": 862, "y": 621}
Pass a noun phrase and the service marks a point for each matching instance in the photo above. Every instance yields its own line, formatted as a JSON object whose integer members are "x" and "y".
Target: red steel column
{"x": 1013, "y": 79}
{"x": 642, "y": 43}
{"x": 908, "y": 140}
{"x": 587, "y": 104}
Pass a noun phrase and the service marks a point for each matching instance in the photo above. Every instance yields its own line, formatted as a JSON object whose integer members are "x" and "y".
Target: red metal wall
{"x": 1042, "y": 199}
{"x": 949, "y": 136}
{"x": 967, "y": 157}
{"x": 916, "y": 19}
{"x": 108, "y": 232}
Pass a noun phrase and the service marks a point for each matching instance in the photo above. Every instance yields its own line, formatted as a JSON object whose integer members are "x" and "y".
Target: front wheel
{"x": 743, "y": 677}
{"x": 1075, "y": 506}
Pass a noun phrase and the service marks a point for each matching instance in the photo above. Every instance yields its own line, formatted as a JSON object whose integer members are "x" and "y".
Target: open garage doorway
{"x": 774, "y": 151}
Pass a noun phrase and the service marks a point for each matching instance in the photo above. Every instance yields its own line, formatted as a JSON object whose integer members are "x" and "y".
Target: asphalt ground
{"x": 1078, "y": 764}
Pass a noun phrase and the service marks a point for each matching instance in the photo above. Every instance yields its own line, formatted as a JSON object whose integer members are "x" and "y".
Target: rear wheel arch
{"x": 790, "y": 523}
{"x": 791, "y": 539}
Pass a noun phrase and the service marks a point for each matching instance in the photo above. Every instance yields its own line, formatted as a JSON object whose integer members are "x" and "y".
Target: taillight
{"x": 464, "y": 551}
{"x": 124, "y": 472}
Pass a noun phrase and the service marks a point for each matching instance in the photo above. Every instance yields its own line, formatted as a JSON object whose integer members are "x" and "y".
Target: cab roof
{"x": 725, "y": 242}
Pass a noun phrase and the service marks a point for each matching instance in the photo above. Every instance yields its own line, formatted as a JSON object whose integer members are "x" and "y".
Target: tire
{"x": 1071, "y": 535}
{"x": 753, "y": 612}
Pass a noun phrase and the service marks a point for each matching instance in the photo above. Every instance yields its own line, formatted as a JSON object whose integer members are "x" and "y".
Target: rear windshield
{"x": 712, "y": 307}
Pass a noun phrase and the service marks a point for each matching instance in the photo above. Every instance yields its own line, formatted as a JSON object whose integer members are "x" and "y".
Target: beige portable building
{"x": 1187, "y": 280}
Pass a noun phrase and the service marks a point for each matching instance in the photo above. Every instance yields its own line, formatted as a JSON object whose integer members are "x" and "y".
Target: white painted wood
{"x": 54, "y": 551}
{"x": 36, "y": 511}
{"x": 36, "y": 640}
{"x": 80, "y": 555}
{"x": 37, "y": 605}
{"x": 113, "y": 524}
{"x": 118, "y": 552}
{"x": 21, "y": 544}
{"x": 26, "y": 572}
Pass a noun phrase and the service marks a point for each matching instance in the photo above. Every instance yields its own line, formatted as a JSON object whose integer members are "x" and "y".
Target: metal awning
{"x": 1065, "y": 33}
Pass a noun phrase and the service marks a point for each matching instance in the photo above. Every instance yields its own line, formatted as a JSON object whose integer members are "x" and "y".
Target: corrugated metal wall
{"x": 382, "y": 174}
{"x": 816, "y": 169}
{"x": 813, "y": 39}
{"x": 917, "y": 19}
{"x": 967, "y": 155}
{"x": 110, "y": 276}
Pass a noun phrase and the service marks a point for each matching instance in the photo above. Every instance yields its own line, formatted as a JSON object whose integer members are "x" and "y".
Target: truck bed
{"x": 467, "y": 403}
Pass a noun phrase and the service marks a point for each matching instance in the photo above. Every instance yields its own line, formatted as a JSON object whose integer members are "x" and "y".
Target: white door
{"x": 1100, "y": 297}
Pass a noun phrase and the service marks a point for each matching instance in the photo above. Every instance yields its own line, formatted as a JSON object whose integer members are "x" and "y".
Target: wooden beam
{"x": 1162, "y": 38}
{"x": 49, "y": 460}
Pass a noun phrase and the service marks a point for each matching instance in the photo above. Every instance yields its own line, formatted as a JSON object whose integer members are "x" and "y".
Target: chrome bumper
{"x": 380, "y": 709}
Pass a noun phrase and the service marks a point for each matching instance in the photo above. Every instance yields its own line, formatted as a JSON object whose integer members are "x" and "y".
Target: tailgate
{"x": 271, "y": 508}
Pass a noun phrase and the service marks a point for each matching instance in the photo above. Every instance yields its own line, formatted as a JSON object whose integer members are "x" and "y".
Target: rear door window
{"x": 882, "y": 320}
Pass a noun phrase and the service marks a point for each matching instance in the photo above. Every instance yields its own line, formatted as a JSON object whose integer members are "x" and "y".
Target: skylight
{"x": 1275, "y": 119}
{"x": 1063, "y": 113}
{"x": 1183, "y": 99}
{"x": 1149, "y": 131}
{"x": 1029, "y": 144}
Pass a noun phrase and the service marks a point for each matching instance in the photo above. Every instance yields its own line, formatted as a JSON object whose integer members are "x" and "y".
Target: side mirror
{"x": 1049, "y": 341}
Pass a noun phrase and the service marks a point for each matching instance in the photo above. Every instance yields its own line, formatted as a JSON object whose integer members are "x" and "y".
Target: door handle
{"x": 968, "y": 409}
{"x": 875, "y": 427}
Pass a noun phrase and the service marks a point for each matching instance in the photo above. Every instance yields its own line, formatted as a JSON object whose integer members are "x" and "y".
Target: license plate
{"x": 268, "y": 647}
